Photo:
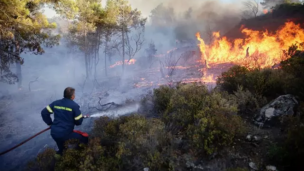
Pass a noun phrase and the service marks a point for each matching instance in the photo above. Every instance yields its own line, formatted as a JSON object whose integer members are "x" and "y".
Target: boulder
{"x": 253, "y": 166}
{"x": 283, "y": 105}
{"x": 271, "y": 168}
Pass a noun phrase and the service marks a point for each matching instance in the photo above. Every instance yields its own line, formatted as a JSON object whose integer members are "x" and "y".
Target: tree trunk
{"x": 87, "y": 65}
{"x": 106, "y": 71}
{"x": 105, "y": 56}
{"x": 123, "y": 48}
{"x": 18, "y": 66}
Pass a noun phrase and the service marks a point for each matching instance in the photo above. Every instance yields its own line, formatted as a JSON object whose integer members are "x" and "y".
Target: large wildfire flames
{"x": 257, "y": 49}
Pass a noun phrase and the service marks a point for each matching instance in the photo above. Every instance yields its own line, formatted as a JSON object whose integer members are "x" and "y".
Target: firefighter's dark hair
{"x": 68, "y": 92}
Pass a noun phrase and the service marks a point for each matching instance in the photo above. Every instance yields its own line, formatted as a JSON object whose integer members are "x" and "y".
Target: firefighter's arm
{"x": 78, "y": 118}
{"x": 46, "y": 114}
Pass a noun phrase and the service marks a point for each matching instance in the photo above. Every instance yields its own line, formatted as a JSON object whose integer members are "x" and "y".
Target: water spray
{"x": 117, "y": 112}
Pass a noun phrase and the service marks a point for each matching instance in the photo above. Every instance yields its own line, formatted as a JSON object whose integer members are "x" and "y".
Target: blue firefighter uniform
{"x": 66, "y": 115}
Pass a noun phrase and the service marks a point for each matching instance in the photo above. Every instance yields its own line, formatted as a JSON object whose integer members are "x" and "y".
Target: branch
{"x": 32, "y": 82}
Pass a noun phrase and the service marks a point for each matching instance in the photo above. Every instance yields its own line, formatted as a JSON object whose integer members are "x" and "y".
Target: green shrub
{"x": 44, "y": 161}
{"x": 185, "y": 102}
{"x": 261, "y": 82}
{"x": 207, "y": 119}
{"x": 295, "y": 67}
{"x": 217, "y": 125}
{"x": 248, "y": 103}
{"x": 230, "y": 80}
{"x": 266, "y": 82}
{"x": 162, "y": 97}
{"x": 135, "y": 141}
{"x": 143, "y": 143}
{"x": 90, "y": 157}
{"x": 288, "y": 154}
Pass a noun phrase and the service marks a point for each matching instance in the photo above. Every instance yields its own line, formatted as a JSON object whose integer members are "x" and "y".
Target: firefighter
{"x": 66, "y": 115}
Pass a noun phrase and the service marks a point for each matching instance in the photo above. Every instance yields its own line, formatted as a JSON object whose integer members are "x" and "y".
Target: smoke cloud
{"x": 179, "y": 21}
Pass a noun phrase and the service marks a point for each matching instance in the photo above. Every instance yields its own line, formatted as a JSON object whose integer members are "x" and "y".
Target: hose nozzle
{"x": 86, "y": 116}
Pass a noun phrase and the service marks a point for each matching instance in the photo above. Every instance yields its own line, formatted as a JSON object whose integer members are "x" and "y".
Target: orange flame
{"x": 127, "y": 62}
{"x": 257, "y": 49}
{"x": 209, "y": 79}
{"x": 265, "y": 11}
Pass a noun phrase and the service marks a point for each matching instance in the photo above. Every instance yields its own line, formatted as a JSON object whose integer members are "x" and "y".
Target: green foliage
{"x": 85, "y": 158}
{"x": 141, "y": 143}
{"x": 262, "y": 82}
{"x": 289, "y": 153}
{"x": 207, "y": 120}
{"x": 230, "y": 80}
{"x": 248, "y": 103}
{"x": 23, "y": 27}
{"x": 162, "y": 97}
{"x": 295, "y": 67}
{"x": 44, "y": 161}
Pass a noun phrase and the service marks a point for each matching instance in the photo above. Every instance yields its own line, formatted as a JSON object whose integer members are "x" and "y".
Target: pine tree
{"x": 23, "y": 28}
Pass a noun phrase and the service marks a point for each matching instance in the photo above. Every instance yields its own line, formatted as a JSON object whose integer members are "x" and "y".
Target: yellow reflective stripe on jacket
{"x": 78, "y": 117}
{"x": 49, "y": 109}
{"x": 63, "y": 108}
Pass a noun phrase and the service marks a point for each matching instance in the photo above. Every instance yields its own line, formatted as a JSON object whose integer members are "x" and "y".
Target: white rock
{"x": 253, "y": 166}
{"x": 257, "y": 138}
{"x": 146, "y": 169}
{"x": 269, "y": 113}
{"x": 283, "y": 105}
{"x": 271, "y": 168}
{"x": 248, "y": 137}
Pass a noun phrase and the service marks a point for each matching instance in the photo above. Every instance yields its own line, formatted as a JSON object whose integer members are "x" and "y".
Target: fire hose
{"x": 18, "y": 145}
{"x": 6, "y": 151}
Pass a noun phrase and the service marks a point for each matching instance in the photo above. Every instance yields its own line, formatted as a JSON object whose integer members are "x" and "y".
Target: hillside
{"x": 271, "y": 21}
